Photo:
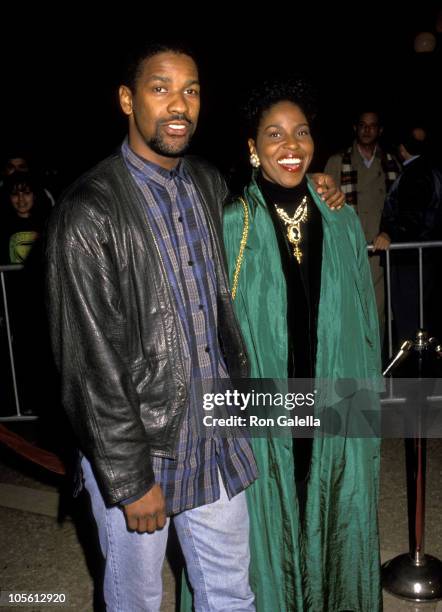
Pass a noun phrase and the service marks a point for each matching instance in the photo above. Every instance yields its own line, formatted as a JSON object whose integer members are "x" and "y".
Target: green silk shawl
{"x": 332, "y": 562}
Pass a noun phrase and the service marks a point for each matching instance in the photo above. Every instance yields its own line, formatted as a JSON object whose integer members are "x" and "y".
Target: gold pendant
{"x": 293, "y": 224}
{"x": 297, "y": 253}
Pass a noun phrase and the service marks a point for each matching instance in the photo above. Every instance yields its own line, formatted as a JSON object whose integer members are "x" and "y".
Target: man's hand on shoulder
{"x": 147, "y": 513}
{"x": 326, "y": 188}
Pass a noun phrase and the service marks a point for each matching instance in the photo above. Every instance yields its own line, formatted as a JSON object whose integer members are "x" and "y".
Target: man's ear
{"x": 125, "y": 96}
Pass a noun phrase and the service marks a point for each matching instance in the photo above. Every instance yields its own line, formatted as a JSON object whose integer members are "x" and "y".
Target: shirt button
{"x": 180, "y": 219}
{"x": 207, "y": 349}
{"x": 201, "y": 307}
{"x": 190, "y": 262}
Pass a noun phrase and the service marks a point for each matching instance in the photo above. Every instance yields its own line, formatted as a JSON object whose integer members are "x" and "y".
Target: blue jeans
{"x": 215, "y": 543}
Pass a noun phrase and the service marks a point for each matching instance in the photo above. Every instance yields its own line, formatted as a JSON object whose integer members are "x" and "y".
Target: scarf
{"x": 349, "y": 175}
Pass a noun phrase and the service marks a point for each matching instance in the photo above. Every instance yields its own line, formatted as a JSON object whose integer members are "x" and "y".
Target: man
{"x": 365, "y": 173}
{"x": 412, "y": 213}
{"x": 140, "y": 309}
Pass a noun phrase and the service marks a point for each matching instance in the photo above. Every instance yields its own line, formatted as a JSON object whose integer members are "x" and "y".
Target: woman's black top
{"x": 303, "y": 279}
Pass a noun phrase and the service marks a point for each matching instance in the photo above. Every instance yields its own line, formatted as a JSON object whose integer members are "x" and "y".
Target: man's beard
{"x": 161, "y": 146}
{"x": 167, "y": 149}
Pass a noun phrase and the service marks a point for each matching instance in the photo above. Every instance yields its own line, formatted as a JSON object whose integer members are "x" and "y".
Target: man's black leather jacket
{"x": 114, "y": 327}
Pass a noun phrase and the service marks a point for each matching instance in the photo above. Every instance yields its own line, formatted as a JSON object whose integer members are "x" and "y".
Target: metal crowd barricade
{"x": 17, "y": 416}
{"x": 415, "y": 575}
{"x": 15, "y": 269}
{"x": 398, "y": 246}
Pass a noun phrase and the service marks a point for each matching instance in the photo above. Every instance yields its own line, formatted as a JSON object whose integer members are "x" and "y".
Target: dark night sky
{"x": 59, "y": 80}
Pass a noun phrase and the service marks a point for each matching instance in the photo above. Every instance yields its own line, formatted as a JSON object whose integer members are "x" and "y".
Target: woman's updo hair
{"x": 293, "y": 89}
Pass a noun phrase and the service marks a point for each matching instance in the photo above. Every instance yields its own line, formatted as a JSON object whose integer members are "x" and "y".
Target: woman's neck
{"x": 280, "y": 194}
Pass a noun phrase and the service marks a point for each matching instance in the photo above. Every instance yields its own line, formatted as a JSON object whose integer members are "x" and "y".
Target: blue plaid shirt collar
{"x": 148, "y": 171}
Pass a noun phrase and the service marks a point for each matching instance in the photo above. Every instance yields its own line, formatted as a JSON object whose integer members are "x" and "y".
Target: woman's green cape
{"x": 332, "y": 564}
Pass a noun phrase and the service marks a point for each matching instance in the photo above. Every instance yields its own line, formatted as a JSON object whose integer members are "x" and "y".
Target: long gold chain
{"x": 293, "y": 224}
{"x": 242, "y": 246}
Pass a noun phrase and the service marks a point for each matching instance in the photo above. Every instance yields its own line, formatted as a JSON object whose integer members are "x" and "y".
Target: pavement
{"x": 47, "y": 543}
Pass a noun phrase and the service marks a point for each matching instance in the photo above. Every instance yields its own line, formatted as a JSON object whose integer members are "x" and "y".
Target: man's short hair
{"x": 414, "y": 140}
{"x": 137, "y": 56}
{"x": 364, "y": 111}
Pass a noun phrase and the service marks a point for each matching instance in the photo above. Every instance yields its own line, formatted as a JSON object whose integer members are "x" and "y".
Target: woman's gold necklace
{"x": 293, "y": 224}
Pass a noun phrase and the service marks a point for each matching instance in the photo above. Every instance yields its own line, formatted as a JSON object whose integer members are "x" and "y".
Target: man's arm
{"x": 403, "y": 217}
{"x": 88, "y": 330}
{"x": 326, "y": 188}
{"x": 414, "y": 195}
{"x": 333, "y": 168}
{"x": 328, "y": 183}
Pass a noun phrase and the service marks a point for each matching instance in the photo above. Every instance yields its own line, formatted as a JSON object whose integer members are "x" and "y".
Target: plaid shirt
{"x": 177, "y": 219}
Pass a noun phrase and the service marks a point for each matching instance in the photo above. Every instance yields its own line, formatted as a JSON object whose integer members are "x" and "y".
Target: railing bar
{"x": 421, "y": 291}
{"x": 11, "y": 351}
{"x": 389, "y": 309}
{"x": 396, "y": 246}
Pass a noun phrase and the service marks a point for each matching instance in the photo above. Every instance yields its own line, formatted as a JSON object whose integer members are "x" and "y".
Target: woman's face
{"x": 22, "y": 199}
{"x": 284, "y": 144}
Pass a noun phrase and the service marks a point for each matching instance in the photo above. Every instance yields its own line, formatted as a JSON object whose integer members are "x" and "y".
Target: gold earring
{"x": 254, "y": 160}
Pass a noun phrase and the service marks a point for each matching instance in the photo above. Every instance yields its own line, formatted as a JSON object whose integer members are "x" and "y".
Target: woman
{"x": 21, "y": 227}
{"x": 23, "y": 217}
{"x": 304, "y": 300}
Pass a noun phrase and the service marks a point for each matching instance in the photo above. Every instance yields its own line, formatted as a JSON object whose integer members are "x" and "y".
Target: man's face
{"x": 163, "y": 110}
{"x": 16, "y": 164}
{"x": 368, "y": 129}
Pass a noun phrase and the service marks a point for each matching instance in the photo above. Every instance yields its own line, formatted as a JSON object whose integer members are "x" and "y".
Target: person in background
{"x": 413, "y": 213}
{"x": 23, "y": 218}
{"x": 18, "y": 161}
{"x": 22, "y": 227}
{"x": 365, "y": 172}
